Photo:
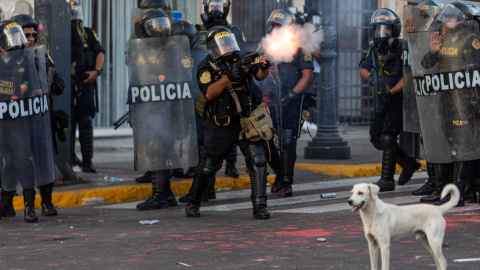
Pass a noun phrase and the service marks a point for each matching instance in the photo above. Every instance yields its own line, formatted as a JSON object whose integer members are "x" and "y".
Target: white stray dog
{"x": 384, "y": 222}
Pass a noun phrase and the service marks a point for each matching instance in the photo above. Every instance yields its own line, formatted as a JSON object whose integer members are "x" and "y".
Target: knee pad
{"x": 388, "y": 140}
{"x": 257, "y": 155}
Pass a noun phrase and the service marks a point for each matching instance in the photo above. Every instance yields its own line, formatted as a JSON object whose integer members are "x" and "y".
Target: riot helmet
{"x": 221, "y": 42}
{"x": 281, "y": 17}
{"x": 11, "y": 36}
{"x": 184, "y": 28}
{"x": 26, "y": 21}
{"x": 315, "y": 17}
{"x": 77, "y": 12}
{"x": 162, "y": 4}
{"x": 155, "y": 23}
{"x": 454, "y": 14}
{"x": 217, "y": 9}
{"x": 428, "y": 8}
{"x": 386, "y": 25}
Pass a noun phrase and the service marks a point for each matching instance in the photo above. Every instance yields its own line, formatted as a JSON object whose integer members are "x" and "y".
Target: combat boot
{"x": 443, "y": 176}
{"x": 409, "y": 166}
{"x": 76, "y": 161}
{"x": 88, "y": 166}
{"x": 29, "y": 201}
{"x": 169, "y": 195}
{"x": 146, "y": 178}
{"x": 386, "y": 182}
{"x": 260, "y": 208}
{"x": 157, "y": 200}
{"x": 193, "y": 208}
{"x": 276, "y": 186}
{"x": 6, "y": 204}
{"x": 190, "y": 173}
{"x": 48, "y": 209}
{"x": 257, "y": 170}
{"x": 461, "y": 176}
{"x": 286, "y": 190}
{"x": 230, "y": 169}
{"x": 184, "y": 198}
{"x": 429, "y": 186}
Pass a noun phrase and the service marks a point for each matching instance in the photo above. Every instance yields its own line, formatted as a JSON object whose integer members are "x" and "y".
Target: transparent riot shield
{"x": 137, "y": 14}
{"x": 26, "y": 146}
{"x": 411, "y": 122}
{"x": 161, "y": 103}
{"x": 447, "y": 87}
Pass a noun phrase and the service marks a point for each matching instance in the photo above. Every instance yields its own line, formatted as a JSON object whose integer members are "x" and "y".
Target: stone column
{"x": 327, "y": 143}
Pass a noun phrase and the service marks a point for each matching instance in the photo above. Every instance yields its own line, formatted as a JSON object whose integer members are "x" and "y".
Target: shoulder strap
{"x": 235, "y": 97}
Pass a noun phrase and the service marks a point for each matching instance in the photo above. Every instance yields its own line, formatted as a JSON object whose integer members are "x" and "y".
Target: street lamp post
{"x": 327, "y": 143}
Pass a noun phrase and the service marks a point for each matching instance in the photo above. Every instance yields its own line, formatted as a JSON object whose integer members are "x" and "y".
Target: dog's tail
{"x": 454, "y": 197}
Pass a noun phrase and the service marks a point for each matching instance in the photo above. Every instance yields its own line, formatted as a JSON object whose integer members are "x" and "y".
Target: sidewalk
{"x": 113, "y": 156}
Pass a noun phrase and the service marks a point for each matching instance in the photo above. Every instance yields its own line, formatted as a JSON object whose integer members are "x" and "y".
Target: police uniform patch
{"x": 206, "y": 77}
{"x": 476, "y": 44}
{"x": 161, "y": 78}
{"x": 186, "y": 62}
{"x": 95, "y": 35}
{"x": 307, "y": 57}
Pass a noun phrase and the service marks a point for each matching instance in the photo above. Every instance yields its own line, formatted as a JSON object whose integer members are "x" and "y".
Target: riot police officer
{"x": 295, "y": 77}
{"x": 156, "y": 24}
{"x": 21, "y": 83}
{"x": 231, "y": 94}
{"x": 30, "y": 28}
{"x": 198, "y": 51}
{"x": 457, "y": 47}
{"x": 87, "y": 64}
{"x": 417, "y": 19}
{"x": 382, "y": 66}
{"x": 215, "y": 14}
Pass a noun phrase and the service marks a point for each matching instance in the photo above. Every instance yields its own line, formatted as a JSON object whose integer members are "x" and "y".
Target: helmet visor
{"x": 382, "y": 31}
{"x": 158, "y": 27}
{"x": 223, "y": 43}
{"x": 217, "y": 5}
{"x": 77, "y": 13}
{"x": 317, "y": 20}
{"x": 14, "y": 37}
{"x": 450, "y": 16}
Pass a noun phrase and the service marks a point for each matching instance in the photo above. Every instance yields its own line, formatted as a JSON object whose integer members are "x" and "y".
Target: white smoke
{"x": 282, "y": 43}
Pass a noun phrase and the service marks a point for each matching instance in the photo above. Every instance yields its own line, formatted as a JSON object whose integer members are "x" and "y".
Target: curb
{"x": 135, "y": 192}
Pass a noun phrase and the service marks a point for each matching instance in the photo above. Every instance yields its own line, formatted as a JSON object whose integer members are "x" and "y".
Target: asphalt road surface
{"x": 304, "y": 232}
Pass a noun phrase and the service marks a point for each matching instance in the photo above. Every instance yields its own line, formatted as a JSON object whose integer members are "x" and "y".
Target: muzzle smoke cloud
{"x": 282, "y": 44}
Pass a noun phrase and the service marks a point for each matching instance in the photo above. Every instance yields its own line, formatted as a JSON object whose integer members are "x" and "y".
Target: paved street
{"x": 110, "y": 236}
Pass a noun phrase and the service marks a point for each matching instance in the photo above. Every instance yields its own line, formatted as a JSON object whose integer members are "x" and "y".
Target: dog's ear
{"x": 374, "y": 190}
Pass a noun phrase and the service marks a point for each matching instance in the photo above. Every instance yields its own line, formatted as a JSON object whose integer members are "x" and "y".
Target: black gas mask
{"x": 216, "y": 12}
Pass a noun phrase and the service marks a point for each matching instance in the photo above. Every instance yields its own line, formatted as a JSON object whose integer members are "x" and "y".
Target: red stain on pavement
{"x": 306, "y": 233}
{"x": 458, "y": 221}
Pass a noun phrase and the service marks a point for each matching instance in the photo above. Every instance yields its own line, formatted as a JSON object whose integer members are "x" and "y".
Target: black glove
{"x": 236, "y": 73}
{"x": 58, "y": 85}
{"x": 266, "y": 66}
{"x": 288, "y": 98}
